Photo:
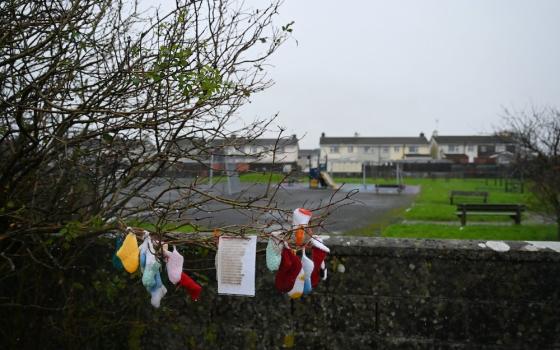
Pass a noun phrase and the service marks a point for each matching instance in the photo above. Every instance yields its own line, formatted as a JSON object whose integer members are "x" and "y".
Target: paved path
{"x": 362, "y": 209}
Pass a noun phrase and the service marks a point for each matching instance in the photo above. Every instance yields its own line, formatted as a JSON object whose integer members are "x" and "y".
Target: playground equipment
{"x": 232, "y": 185}
{"x": 328, "y": 180}
{"x": 319, "y": 178}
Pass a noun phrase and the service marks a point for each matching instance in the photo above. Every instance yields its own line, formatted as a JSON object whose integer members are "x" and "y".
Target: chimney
{"x": 322, "y": 135}
{"x": 422, "y": 135}
{"x": 356, "y": 134}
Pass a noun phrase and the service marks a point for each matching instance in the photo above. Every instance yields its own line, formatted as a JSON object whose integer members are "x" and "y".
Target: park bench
{"x": 482, "y": 194}
{"x": 512, "y": 210}
{"x": 398, "y": 187}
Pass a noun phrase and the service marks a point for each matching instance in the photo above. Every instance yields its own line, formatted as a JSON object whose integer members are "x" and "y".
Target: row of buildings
{"x": 349, "y": 154}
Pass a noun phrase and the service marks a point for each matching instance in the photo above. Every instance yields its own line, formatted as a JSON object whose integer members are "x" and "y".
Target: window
{"x": 350, "y": 149}
{"x": 412, "y": 149}
{"x": 396, "y": 149}
{"x": 280, "y": 149}
{"x": 385, "y": 149}
{"x": 334, "y": 149}
{"x": 452, "y": 148}
{"x": 254, "y": 149}
{"x": 366, "y": 149}
{"x": 470, "y": 148}
{"x": 483, "y": 149}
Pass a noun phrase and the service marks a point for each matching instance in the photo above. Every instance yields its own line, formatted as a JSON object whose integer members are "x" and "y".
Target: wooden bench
{"x": 398, "y": 187}
{"x": 482, "y": 194}
{"x": 512, "y": 210}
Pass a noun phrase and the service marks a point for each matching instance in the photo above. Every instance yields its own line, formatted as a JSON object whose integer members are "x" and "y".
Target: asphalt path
{"x": 357, "y": 207}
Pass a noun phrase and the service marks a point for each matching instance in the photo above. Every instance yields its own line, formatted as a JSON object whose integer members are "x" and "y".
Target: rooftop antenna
{"x": 435, "y": 133}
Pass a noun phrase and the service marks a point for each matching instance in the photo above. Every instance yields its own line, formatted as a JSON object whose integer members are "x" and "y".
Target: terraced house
{"x": 348, "y": 154}
{"x": 259, "y": 154}
{"x": 481, "y": 149}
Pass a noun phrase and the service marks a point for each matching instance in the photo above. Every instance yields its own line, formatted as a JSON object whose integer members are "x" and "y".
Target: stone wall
{"x": 393, "y": 294}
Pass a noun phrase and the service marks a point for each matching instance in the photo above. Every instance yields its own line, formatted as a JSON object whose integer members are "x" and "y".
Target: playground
{"x": 393, "y": 205}
{"x": 426, "y": 209}
{"x": 356, "y": 212}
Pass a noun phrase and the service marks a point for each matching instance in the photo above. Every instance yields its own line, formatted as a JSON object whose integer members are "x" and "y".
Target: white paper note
{"x": 235, "y": 268}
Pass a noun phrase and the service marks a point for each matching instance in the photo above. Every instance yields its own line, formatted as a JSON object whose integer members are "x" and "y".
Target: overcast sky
{"x": 392, "y": 68}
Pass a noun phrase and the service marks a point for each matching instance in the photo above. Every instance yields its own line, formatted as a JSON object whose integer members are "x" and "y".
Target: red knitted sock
{"x": 191, "y": 286}
{"x": 288, "y": 271}
{"x": 318, "y": 256}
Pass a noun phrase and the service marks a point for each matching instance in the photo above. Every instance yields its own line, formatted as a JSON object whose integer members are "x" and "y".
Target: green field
{"x": 432, "y": 203}
{"x": 434, "y": 217}
{"x": 258, "y": 177}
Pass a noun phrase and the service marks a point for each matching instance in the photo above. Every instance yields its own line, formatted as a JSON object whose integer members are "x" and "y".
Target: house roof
{"x": 473, "y": 139}
{"x": 356, "y": 140}
{"x": 271, "y": 142}
{"x": 239, "y": 142}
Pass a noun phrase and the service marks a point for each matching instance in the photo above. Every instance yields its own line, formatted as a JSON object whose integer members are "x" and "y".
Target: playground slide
{"x": 328, "y": 179}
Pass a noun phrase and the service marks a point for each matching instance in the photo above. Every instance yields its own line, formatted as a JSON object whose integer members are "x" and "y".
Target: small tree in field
{"x": 538, "y": 136}
{"x": 98, "y": 102}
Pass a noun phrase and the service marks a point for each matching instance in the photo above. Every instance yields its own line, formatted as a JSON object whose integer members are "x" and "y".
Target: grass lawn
{"x": 260, "y": 177}
{"x": 433, "y": 201}
{"x": 511, "y": 233}
{"x": 432, "y": 204}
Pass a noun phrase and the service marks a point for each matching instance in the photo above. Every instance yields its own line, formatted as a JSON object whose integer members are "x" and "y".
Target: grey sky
{"x": 391, "y": 68}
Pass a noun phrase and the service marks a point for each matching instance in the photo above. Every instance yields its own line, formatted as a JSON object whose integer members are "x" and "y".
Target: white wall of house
{"x": 303, "y": 163}
{"x": 471, "y": 150}
{"x": 371, "y": 153}
{"x": 284, "y": 154}
{"x": 341, "y": 166}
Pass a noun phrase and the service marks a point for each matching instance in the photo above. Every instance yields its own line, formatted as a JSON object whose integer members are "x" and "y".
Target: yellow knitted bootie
{"x": 129, "y": 253}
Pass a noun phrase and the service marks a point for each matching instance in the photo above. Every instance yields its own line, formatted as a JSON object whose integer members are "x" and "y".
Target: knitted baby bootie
{"x": 273, "y": 252}
{"x": 290, "y": 267}
{"x": 319, "y": 252}
{"x": 117, "y": 263}
{"x": 158, "y": 292}
{"x": 193, "y": 288}
{"x": 297, "y": 290}
{"x": 128, "y": 253}
{"x": 151, "y": 272}
{"x": 308, "y": 270}
{"x": 174, "y": 265}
